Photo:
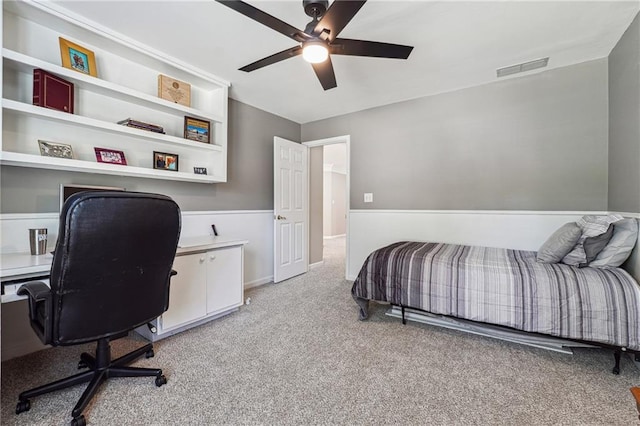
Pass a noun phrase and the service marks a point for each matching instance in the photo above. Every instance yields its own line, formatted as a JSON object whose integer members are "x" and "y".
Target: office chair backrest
{"x": 112, "y": 263}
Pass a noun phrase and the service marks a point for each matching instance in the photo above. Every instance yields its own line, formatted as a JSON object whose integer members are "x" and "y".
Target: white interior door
{"x": 290, "y": 208}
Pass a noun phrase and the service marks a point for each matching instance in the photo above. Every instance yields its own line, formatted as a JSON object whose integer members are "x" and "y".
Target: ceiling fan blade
{"x": 324, "y": 71}
{"x": 265, "y": 19}
{"x": 345, "y": 46}
{"x": 337, "y": 17}
{"x": 276, "y": 57}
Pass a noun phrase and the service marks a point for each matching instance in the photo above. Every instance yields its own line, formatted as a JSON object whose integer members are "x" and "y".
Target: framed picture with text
{"x": 110, "y": 156}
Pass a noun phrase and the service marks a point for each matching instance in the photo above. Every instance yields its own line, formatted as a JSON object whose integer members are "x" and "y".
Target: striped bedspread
{"x": 504, "y": 287}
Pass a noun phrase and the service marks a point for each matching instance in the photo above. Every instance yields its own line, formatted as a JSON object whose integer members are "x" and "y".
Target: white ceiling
{"x": 457, "y": 45}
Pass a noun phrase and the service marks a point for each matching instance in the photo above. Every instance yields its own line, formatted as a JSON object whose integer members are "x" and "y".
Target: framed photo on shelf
{"x": 55, "y": 149}
{"x": 174, "y": 90}
{"x": 110, "y": 156}
{"x": 196, "y": 129}
{"x": 165, "y": 161}
{"x": 77, "y": 58}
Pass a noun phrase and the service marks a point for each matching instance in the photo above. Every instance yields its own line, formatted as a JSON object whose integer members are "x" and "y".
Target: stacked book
{"x": 129, "y": 122}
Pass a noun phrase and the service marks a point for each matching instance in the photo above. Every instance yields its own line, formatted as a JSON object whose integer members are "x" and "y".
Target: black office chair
{"x": 110, "y": 274}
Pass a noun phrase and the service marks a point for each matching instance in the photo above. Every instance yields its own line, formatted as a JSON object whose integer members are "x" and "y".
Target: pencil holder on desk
{"x": 38, "y": 241}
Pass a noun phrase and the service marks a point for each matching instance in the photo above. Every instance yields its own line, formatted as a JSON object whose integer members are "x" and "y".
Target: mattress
{"x": 504, "y": 287}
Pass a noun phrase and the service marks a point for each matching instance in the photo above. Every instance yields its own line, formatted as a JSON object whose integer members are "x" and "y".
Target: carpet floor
{"x": 297, "y": 355}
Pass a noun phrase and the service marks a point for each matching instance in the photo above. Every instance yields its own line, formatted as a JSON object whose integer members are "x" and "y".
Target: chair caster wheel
{"x": 81, "y": 365}
{"x": 79, "y": 421}
{"x": 23, "y": 406}
{"x": 616, "y": 370}
{"x": 161, "y": 380}
{"x": 150, "y": 353}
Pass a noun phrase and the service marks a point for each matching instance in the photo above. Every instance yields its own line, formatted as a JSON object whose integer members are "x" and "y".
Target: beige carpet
{"x": 298, "y": 355}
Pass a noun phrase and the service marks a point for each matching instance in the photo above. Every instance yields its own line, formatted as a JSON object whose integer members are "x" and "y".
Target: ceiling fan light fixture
{"x": 315, "y": 52}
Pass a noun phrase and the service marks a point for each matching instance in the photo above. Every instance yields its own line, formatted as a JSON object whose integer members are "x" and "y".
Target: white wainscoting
{"x": 253, "y": 225}
{"x": 14, "y": 230}
{"x": 524, "y": 230}
{"x": 256, "y": 226}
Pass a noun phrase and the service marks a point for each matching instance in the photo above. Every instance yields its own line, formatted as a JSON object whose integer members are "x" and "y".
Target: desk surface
{"x": 17, "y": 266}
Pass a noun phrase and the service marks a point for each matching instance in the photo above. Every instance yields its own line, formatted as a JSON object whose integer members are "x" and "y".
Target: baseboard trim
{"x": 331, "y": 237}
{"x": 316, "y": 265}
{"x": 258, "y": 282}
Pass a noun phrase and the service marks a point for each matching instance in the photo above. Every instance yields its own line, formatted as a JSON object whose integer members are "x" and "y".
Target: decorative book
{"x": 173, "y": 90}
{"x": 129, "y": 122}
{"x": 51, "y": 91}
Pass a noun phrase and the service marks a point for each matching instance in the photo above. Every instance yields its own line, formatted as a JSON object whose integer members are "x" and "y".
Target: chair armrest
{"x": 40, "y": 308}
{"x": 173, "y": 273}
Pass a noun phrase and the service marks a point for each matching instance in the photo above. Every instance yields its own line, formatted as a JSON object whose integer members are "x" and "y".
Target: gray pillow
{"x": 594, "y": 245}
{"x": 591, "y": 226}
{"x": 559, "y": 243}
{"x": 625, "y": 234}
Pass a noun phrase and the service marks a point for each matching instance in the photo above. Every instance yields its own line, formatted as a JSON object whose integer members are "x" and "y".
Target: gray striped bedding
{"x": 504, "y": 287}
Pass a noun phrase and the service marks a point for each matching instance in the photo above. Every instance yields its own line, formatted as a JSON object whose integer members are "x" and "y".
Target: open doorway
{"x": 328, "y": 200}
{"x": 334, "y": 191}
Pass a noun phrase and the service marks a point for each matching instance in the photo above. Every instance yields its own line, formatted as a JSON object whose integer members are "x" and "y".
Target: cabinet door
{"x": 224, "y": 279}
{"x": 186, "y": 295}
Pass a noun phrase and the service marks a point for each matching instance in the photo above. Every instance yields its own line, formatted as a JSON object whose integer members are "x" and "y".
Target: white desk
{"x": 22, "y": 266}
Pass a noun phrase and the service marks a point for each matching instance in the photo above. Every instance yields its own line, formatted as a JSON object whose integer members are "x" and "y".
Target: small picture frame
{"x": 77, "y": 58}
{"x": 196, "y": 129}
{"x": 200, "y": 170}
{"x": 110, "y": 156}
{"x": 55, "y": 149}
{"x": 165, "y": 161}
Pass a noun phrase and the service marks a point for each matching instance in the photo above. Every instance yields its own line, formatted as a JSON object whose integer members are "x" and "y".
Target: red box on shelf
{"x": 51, "y": 91}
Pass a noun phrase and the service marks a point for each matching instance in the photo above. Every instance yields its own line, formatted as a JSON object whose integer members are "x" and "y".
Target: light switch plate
{"x": 368, "y": 197}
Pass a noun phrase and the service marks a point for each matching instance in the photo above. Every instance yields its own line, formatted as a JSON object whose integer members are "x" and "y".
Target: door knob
{"x": 281, "y": 218}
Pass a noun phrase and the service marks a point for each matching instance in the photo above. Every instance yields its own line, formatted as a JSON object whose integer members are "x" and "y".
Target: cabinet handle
{"x": 212, "y": 257}
{"x": 201, "y": 259}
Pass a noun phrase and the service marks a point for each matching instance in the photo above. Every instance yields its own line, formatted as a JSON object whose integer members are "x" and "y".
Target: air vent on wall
{"x": 526, "y": 66}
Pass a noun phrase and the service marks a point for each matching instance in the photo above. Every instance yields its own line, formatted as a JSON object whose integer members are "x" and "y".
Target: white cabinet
{"x": 126, "y": 87}
{"x": 186, "y": 303}
{"x": 209, "y": 284}
{"x": 224, "y": 289}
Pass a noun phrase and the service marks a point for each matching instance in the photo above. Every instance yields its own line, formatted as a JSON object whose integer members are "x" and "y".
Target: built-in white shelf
{"x": 52, "y": 163}
{"x": 79, "y": 120}
{"x": 27, "y": 64}
{"x": 125, "y": 87}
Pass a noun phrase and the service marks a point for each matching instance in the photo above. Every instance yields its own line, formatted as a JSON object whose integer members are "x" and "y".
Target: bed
{"x": 508, "y": 288}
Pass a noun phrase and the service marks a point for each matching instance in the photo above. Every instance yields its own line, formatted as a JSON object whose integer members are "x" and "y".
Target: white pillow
{"x": 625, "y": 234}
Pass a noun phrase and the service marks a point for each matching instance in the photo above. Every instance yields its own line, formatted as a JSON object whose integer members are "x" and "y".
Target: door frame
{"x": 346, "y": 139}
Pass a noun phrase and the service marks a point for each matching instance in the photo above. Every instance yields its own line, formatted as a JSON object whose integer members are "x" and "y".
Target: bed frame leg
{"x": 616, "y": 355}
{"x": 404, "y": 320}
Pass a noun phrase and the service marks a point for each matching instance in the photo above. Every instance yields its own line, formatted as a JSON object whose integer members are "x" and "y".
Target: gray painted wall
{"x": 535, "y": 142}
{"x": 249, "y": 183}
{"x": 315, "y": 205}
{"x": 624, "y": 122}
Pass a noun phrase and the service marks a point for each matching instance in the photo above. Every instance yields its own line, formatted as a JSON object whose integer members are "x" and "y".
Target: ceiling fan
{"x": 320, "y": 37}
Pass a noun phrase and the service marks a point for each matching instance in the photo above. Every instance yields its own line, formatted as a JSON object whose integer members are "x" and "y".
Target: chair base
{"x": 101, "y": 368}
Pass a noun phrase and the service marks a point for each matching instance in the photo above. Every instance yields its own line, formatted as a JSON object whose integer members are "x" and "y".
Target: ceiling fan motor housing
{"x": 315, "y": 8}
